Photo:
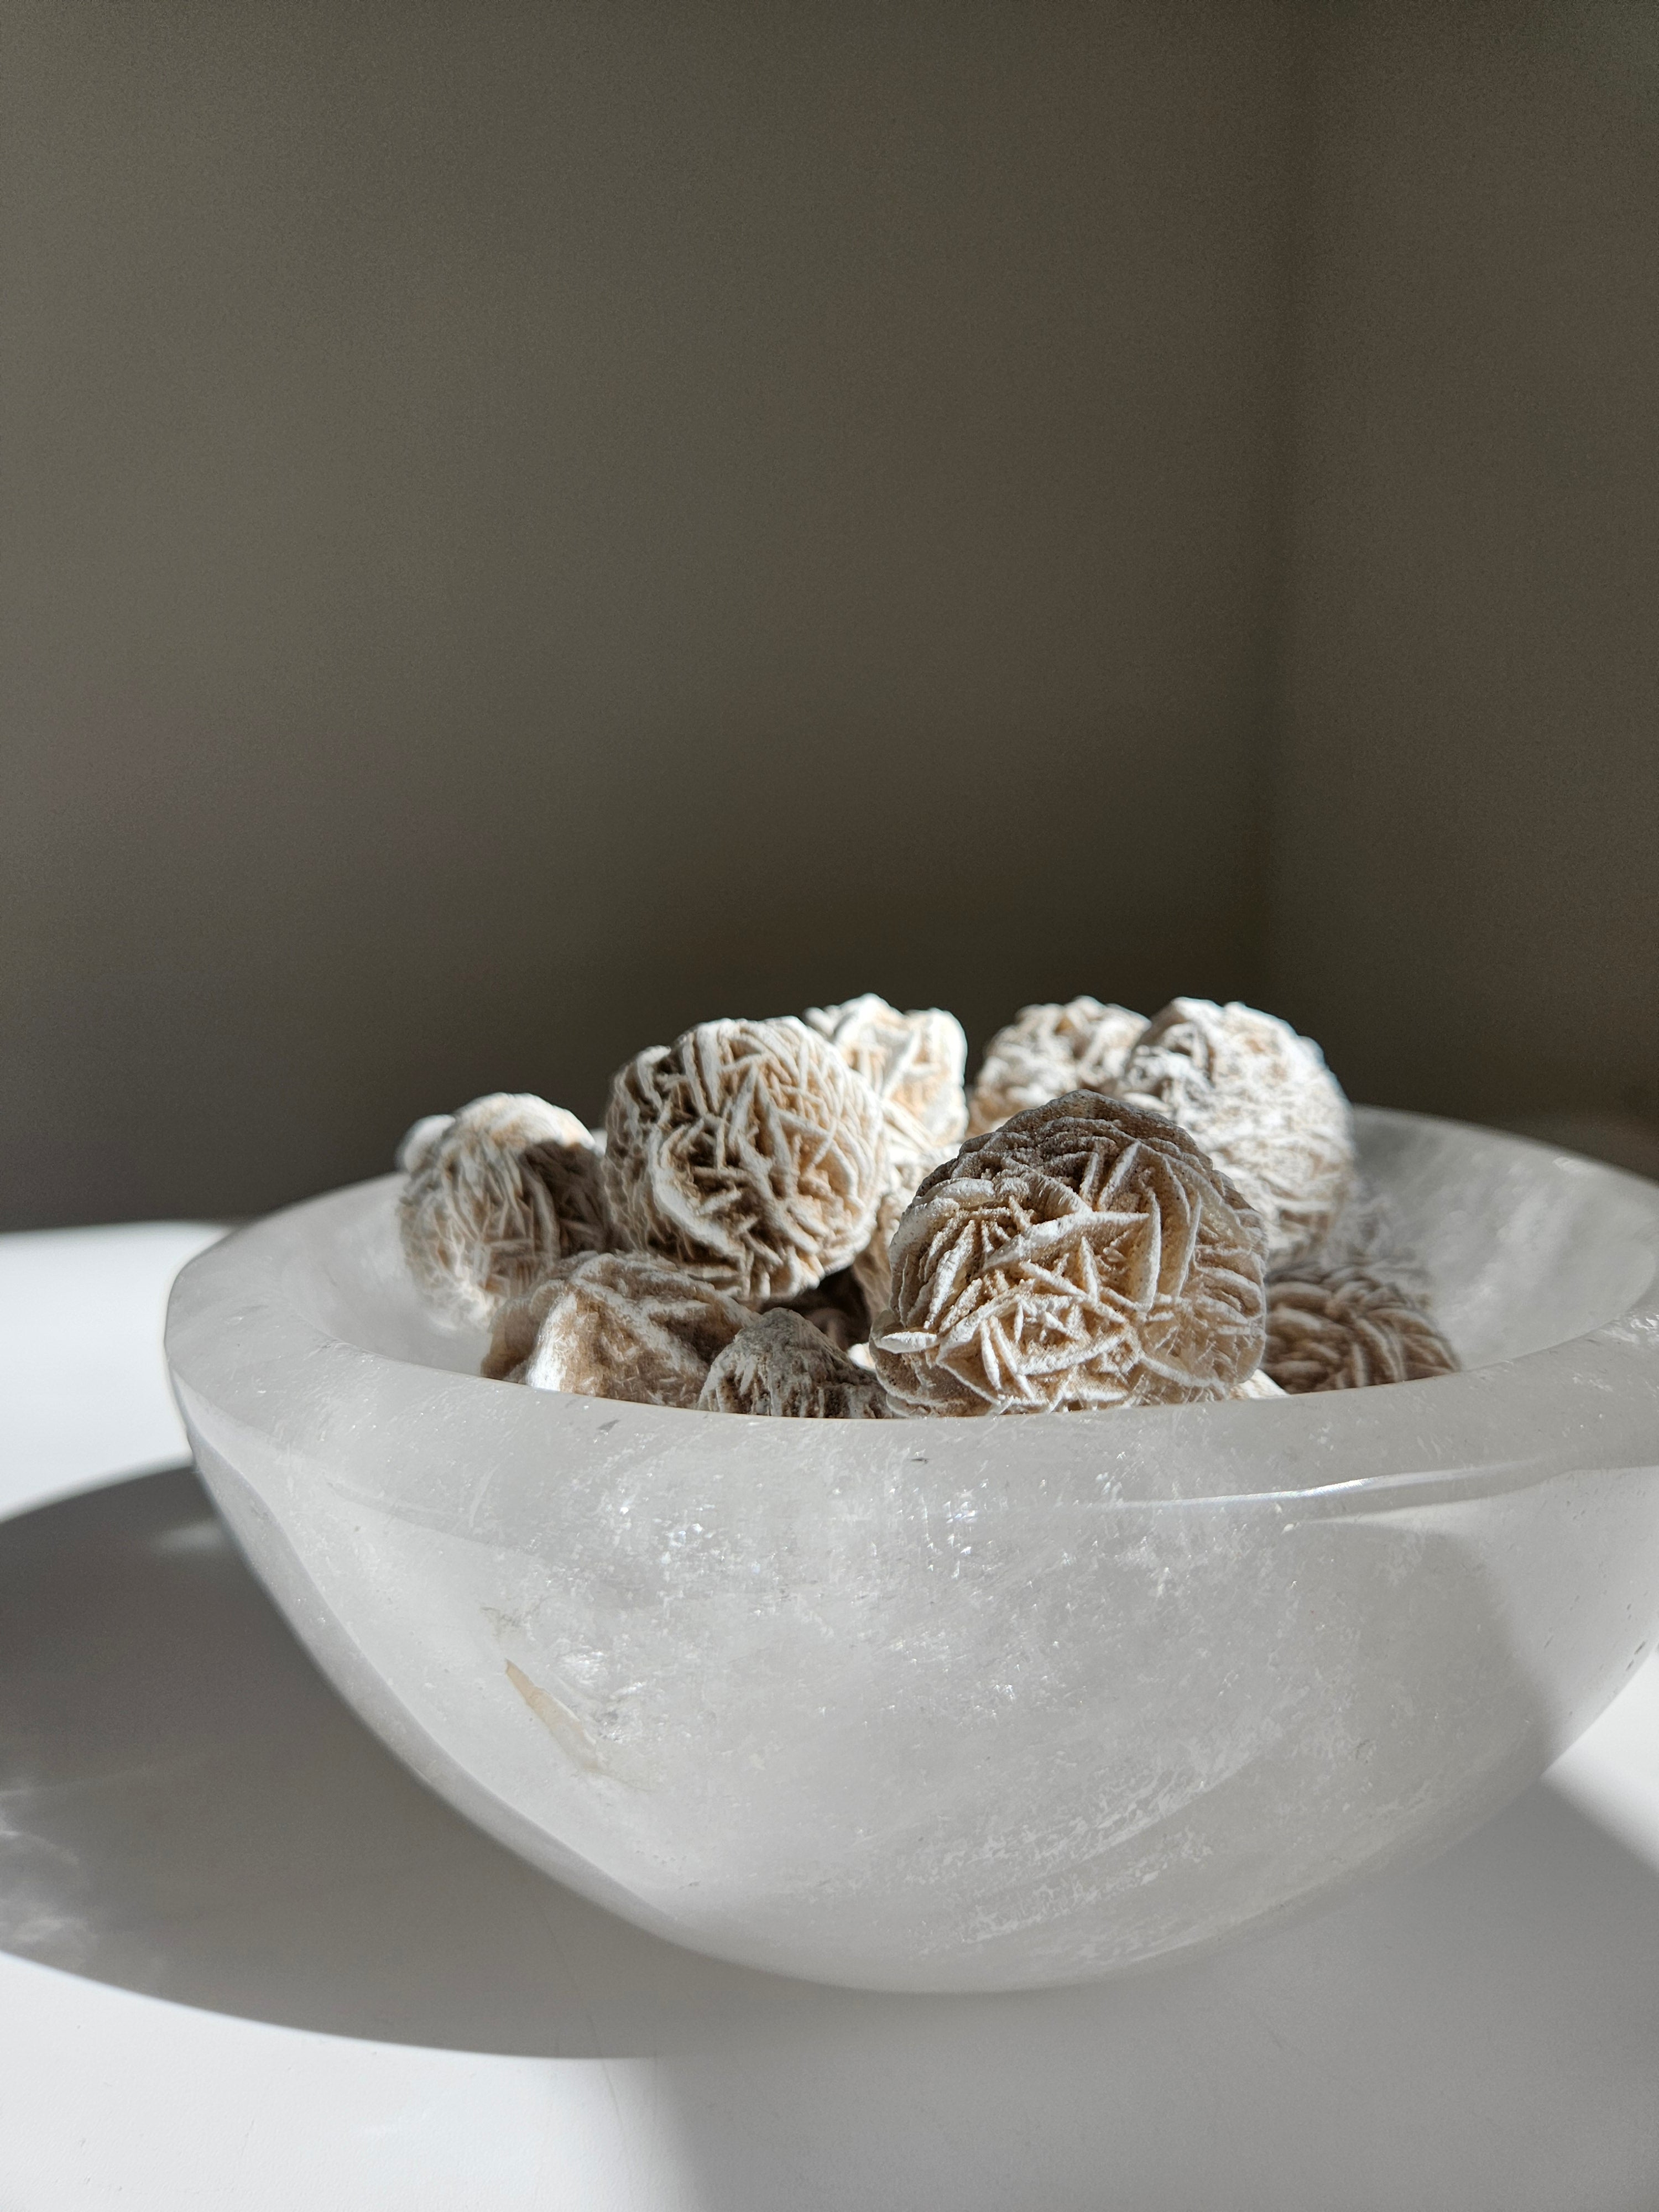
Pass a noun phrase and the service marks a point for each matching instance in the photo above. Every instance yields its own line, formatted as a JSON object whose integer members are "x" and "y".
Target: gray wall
{"x": 530, "y": 526}
{"x": 1467, "y": 899}
{"x": 538, "y": 526}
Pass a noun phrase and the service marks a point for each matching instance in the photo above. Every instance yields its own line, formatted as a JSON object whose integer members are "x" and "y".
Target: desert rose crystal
{"x": 873, "y": 1268}
{"x": 749, "y": 1154}
{"x": 1047, "y": 1051}
{"x": 1260, "y": 1102}
{"x": 613, "y": 1324}
{"x": 779, "y": 1364}
{"x": 1348, "y": 1328}
{"x": 913, "y": 1063}
{"x": 494, "y": 1195}
{"x": 1085, "y": 1254}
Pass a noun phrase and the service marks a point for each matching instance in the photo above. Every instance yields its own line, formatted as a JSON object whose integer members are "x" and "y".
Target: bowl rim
{"x": 234, "y": 1326}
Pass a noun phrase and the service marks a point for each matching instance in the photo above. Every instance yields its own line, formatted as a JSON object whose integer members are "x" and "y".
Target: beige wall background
{"x": 530, "y": 525}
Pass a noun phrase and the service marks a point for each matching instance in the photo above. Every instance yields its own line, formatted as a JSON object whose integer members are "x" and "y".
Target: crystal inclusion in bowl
{"x": 964, "y": 1705}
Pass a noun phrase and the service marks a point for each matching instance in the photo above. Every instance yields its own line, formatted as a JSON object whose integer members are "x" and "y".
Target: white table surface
{"x": 365, "y": 2005}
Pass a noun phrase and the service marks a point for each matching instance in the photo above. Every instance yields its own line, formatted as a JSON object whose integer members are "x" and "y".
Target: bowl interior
{"x": 1523, "y": 1247}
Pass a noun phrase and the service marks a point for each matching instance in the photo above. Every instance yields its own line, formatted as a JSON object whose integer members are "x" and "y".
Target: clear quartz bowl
{"x": 964, "y": 1705}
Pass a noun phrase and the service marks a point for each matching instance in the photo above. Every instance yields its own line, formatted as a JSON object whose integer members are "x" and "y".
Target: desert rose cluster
{"x": 815, "y": 1217}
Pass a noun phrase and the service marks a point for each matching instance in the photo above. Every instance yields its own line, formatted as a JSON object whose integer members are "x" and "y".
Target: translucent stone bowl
{"x": 972, "y": 1705}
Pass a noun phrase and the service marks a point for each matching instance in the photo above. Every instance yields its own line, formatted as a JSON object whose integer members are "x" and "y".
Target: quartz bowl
{"x": 964, "y": 1705}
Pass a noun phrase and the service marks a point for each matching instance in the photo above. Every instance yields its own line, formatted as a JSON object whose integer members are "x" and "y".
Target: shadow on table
{"x": 187, "y": 1809}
